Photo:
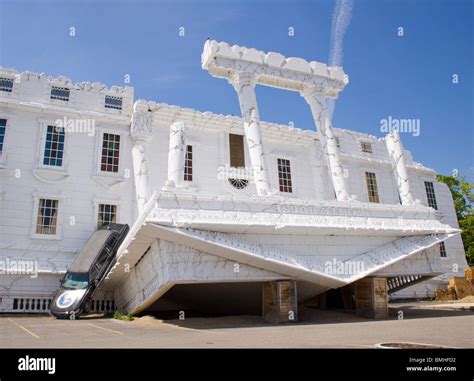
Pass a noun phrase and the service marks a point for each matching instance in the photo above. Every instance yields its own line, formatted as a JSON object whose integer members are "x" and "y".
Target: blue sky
{"x": 402, "y": 77}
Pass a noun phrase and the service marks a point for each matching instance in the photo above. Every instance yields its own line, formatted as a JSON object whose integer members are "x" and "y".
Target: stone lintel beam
{"x": 271, "y": 69}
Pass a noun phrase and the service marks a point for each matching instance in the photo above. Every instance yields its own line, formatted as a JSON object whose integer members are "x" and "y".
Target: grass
{"x": 119, "y": 316}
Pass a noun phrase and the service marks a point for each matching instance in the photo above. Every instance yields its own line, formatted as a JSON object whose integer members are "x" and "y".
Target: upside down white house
{"x": 224, "y": 209}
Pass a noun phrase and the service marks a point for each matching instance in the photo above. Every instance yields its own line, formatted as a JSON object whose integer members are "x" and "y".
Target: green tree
{"x": 463, "y": 197}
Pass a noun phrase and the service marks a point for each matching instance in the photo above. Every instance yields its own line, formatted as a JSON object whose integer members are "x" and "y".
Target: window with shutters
{"x": 236, "y": 148}
{"x": 237, "y": 160}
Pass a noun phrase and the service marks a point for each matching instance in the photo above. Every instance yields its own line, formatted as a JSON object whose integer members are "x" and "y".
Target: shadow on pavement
{"x": 307, "y": 316}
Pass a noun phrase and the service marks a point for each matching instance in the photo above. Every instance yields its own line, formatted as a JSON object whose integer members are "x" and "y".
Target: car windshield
{"x": 76, "y": 281}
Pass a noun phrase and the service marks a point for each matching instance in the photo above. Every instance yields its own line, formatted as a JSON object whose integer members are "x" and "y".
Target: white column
{"x": 244, "y": 84}
{"x": 141, "y": 133}
{"x": 140, "y": 172}
{"x": 320, "y": 111}
{"x": 176, "y": 154}
{"x": 395, "y": 151}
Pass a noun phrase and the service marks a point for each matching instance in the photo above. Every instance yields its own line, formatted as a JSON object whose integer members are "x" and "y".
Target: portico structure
{"x": 316, "y": 82}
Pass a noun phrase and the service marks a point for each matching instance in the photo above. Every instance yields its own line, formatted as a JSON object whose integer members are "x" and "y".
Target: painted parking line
{"x": 105, "y": 329}
{"x": 24, "y": 329}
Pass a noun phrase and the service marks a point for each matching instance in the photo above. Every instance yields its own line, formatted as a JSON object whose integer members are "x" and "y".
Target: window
{"x": 6, "y": 84}
{"x": 188, "y": 164}
{"x": 442, "y": 250}
{"x": 113, "y": 102}
{"x": 107, "y": 214}
{"x": 110, "y": 153}
{"x": 372, "y": 191}
{"x": 366, "y": 147}
{"x": 54, "y": 146}
{"x": 284, "y": 176}
{"x": 338, "y": 142}
{"x": 430, "y": 195}
{"x": 3, "y": 127}
{"x": 47, "y": 216}
{"x": 61, "y": 93}
{"x": 237, "y": 160}
{"x": 236, "y": 151}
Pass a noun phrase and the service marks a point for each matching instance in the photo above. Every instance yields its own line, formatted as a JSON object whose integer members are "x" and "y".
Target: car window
{"x": 75, "y": 281}
{"x": 102, "y": 258}
{"x": 112, "y": 241}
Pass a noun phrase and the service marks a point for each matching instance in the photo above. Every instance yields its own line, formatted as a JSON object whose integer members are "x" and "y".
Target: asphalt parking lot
{"x": 318, "y": 329}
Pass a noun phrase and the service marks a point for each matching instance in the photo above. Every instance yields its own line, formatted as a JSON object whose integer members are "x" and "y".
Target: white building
{"x": 217, "y": 204}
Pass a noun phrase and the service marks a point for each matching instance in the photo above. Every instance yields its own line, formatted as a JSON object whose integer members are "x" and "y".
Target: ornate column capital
{"x": 310, "y": 92}
{"x": 142, "y": 124}
{"x": 177, "y": 126}
{"x": 320, "y": 91}
{"x": 242, "y": 78}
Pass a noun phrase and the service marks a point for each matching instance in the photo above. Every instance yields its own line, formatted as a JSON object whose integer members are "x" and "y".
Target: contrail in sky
{"x": 341, "y": 18}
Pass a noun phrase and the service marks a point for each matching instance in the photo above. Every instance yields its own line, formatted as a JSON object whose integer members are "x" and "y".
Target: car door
{"x": 102, "y": 261}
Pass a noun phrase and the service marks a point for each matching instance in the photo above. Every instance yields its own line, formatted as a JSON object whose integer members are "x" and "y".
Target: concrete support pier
{"x": 372, "y": 298}
{"x": 280, "y": 304}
